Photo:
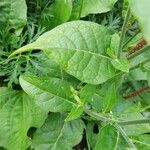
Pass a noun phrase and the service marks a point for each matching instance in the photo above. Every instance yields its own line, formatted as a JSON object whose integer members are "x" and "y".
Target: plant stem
{"x": 133, "y": 122}
{"x": 109, "y": 120}
{"x": 99, "y": 116}
{"x": 124, "y": 29}
{"x": 146, "y": 48}
{"x": 125, "y": 136}
{"x": 116, "y": 124}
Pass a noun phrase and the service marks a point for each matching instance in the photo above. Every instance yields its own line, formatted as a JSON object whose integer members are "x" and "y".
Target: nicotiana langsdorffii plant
{"x": 95, "y": 89}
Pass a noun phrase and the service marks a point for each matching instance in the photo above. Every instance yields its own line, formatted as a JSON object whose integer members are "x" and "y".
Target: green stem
{"x": 116, "y": 124}
{"x": 80, "y": 11}
{"x": 109, "y": 120}
{"x": 99, "y": 116}
{"x": 125, "y": 136}
{"x": 133, "y": 122}
{"x": 124, "y": 29}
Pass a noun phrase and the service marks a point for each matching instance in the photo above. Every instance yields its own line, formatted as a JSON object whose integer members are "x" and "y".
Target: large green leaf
{"x": 56, "y": 134}
{"x": 51, "y": 94}
{"x": 85, "y": 7}
{"x": 18, "y": 113}
{"x": 110, "y": 139}
{"x": 141, "y": 10}
{"x": 59, "y": 12}
{"x": 14, "y": 12}
{"x": 79, "y": 48}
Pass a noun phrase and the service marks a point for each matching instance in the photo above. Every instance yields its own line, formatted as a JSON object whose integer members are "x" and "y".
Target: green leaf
{"x": 57, "y": 13}
{"x": 140, "y": 10}
{"x": 92, "y": 130}
{"x": 114, "y": 45}
{"x": 79, "y": 63}
{"x": 76, "y": 9}
{"x": 14, "y": 12}
{"x": 85, "y": 7}
{"x": 110, "y": 139}
{"x": 51, "y": 94}
{"x": 142, "y": 141}
{"x": 105, "y": 97}
{"x": 79, "y": 48}
{"x": 128, "y": 111}
{"x": 87, "y": 93}
{"x": 56, "y": 134}
{"x": 121, "y": 64}
{"x": 18, "y": 112}
{"x": 75, "y": 113}
{"x": 110, "y": 98}
{"x": 133, "y": 130}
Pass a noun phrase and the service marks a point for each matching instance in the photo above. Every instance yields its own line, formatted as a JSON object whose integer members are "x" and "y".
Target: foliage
{"x": 73, "y": 76}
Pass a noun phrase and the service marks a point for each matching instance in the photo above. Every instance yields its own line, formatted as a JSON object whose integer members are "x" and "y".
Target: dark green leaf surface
{"x": 14, "y": 12}
{"x": 18, "y": 112}
{"x": 57, "y": 13}
{"x": 110, "y": 139}
{"x": 56, "y": 134}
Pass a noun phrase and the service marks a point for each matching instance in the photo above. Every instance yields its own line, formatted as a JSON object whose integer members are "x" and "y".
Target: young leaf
{"x": 75, "y": 113}
{"x": 105, "y": 97}
{"x": 92, "y": 131}
{"x": 18, "y": 112}
{"x": 110, "y": 139}
{"x": 79, "y": 48}
{"x": 110, "y": 98}
{"x": 51, "y": 94}
{"x": 86, "y": 7}
{"x": 140, "y": 9}
{"x": 87, "y": 93}
{"x": 56, "y": 134}
{"x": 57, "y": 13}
{"x": 114, "y": 45}
{"x": 121, "y": 64}
{"x": 14, "y": 12}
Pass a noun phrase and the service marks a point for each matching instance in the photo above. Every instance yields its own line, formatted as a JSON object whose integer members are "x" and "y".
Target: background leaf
{"x": 56, "y": 134}
{"x": 85, "y": 7}
{"x": 18, "y": 113}
{"x": 110, "y": 139}
{"x": 14, "y": 12}
{"x": 58, "y": 12}
{"x": 140, "y": 9}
